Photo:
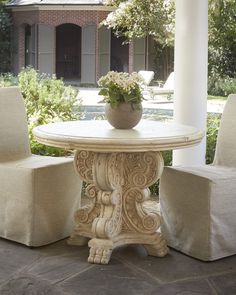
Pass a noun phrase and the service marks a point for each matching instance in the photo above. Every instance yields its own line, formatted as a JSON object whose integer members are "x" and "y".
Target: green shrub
{"x": 7, "y": 80}
{"x": 167, "y": 157}
{"x": 47, "y": 100}
{"x": 221, "y": 86}
{"x": 213, "y": 123}
{"x": 214, "y": 85}
{"x": 228, "y": 85}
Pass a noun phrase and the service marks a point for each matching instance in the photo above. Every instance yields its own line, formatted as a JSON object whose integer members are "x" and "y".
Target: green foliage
{"x": 213, "y": 123}
{"x": 47, "y": 100}
{"x": 228, "y": 85}
{"x": 121, "y": 87}
{"x": 140, "y": 18}
{"x": 5, "y": 39}
{"x": 7, "y": 80}
{"x": 167, "y": 157}
{"x": 222, "y": 41}
{"x": 221, "y": 86}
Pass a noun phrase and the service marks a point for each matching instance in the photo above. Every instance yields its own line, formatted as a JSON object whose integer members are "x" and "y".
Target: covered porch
{"x": 63, "y": 269}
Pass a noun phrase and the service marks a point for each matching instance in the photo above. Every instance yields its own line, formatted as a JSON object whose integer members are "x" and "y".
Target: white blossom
{"x": 138, "y": 18}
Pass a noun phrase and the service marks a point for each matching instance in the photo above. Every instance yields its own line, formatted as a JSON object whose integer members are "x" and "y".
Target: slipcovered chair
{"x": 198, "y": 204}
{"x": 38, "y": 195}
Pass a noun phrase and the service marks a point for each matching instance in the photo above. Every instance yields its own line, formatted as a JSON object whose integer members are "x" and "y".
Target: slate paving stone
{"x": 60, "y": 248}
{"x": 14, "y": 258}
{"x": 61, "y": 269}
{"x": 175, "y": 266}
{"x": 112, "y": 279}
{"x": 28, "y": 285}
{"x": 56, "y": 268}
{"x": 196, "y": 287}
{"x": 225, "y": 284}
{"x": 7, "y": 244}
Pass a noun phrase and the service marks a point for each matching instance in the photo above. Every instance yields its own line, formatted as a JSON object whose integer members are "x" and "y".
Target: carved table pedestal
{"x": 118, "y": 166}
{"x": 120, "y": 211}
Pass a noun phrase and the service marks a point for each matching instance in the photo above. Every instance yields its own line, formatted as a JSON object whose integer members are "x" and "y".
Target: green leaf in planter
{"x": 103, "y": 92}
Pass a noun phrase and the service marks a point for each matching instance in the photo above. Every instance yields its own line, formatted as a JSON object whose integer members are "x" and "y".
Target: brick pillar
{"x": 21, "y": 47}
{"x": 97, "y": 53}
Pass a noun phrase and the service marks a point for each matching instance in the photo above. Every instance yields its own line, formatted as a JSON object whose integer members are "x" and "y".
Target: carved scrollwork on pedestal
{"x": 88, "y": 213}
{"x": 107, "y": 169}
{"x": 83, "y": 162}
{"x": 104, "y": 213}
{"x": 140, "y": 171}
{"x": 137, "y": 217}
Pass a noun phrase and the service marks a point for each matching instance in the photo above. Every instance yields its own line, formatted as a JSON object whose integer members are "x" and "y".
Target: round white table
{"x": 119, "y": 166}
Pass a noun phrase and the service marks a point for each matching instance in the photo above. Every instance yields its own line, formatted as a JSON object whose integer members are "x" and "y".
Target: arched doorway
{"x": 68, "y": 51}
{"x": 119, "y": 54}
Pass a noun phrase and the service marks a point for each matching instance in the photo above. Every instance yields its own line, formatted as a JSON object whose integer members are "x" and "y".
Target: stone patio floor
{"x": 59, "y": 269}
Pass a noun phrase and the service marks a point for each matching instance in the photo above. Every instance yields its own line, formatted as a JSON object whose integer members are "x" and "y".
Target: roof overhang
{"x": 60, "y": 7}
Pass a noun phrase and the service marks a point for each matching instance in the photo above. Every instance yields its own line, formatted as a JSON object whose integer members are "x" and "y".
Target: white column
{"x": 190, "y": 98}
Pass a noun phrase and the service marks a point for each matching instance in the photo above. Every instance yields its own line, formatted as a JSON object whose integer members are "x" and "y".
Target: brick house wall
{"x": 56, "y": 18}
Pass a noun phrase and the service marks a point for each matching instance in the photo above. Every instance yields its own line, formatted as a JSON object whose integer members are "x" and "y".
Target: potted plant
{"x": 122, "y": 93}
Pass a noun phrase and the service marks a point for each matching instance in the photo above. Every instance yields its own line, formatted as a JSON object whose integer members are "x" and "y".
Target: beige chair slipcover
{"x": 198, "y": 204}
{"x": 38, "y": 195}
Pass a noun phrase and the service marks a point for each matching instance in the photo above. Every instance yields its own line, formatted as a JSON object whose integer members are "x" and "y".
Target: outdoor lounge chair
{"x": 147, "y": 77}
{"x": 167, "y": 89}
{"x": 198, "y": 203}
{"x": 38, "y": 195}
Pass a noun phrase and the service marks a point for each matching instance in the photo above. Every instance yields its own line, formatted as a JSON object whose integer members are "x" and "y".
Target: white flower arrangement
{"x": 118, "y": 87}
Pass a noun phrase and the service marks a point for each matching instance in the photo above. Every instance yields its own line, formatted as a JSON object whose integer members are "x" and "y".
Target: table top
{"x": 100, "y": 136}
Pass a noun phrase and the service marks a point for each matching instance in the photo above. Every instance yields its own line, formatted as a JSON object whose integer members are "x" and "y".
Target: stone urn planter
{"x": 124, "y": 116}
